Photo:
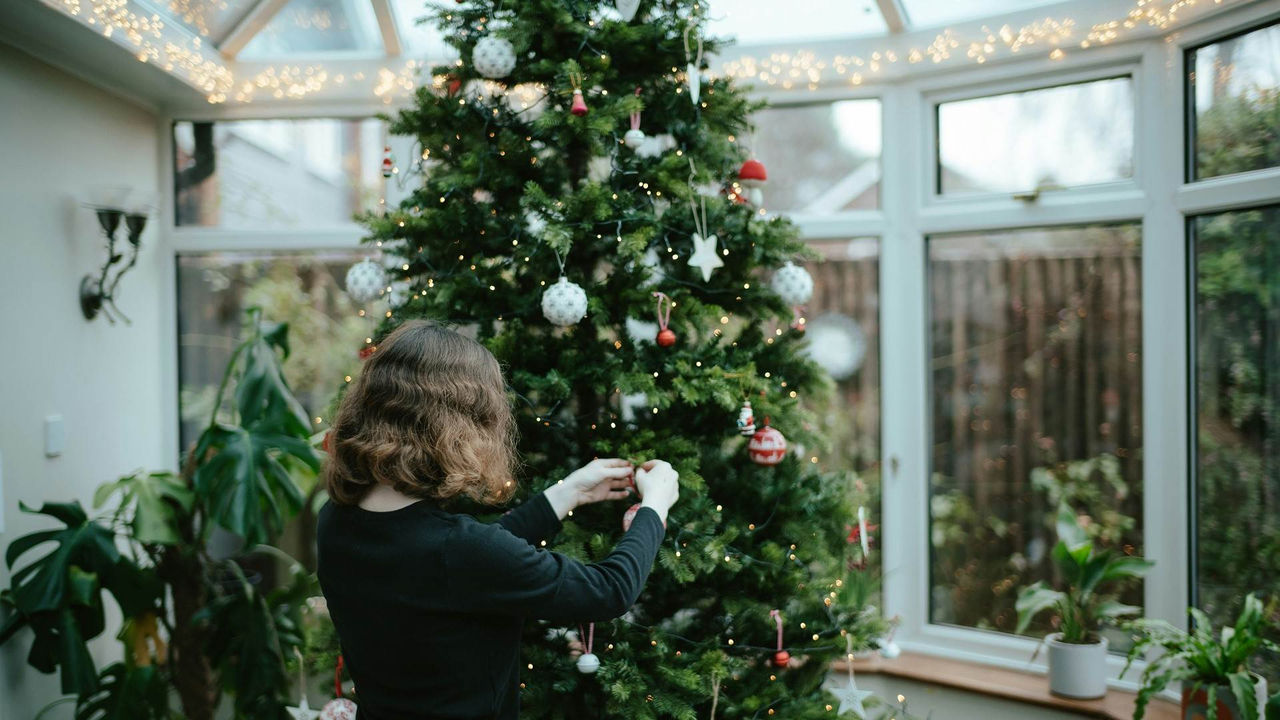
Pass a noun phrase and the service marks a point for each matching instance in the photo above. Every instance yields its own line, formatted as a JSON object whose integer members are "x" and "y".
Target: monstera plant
{"x": 148, "y": 552}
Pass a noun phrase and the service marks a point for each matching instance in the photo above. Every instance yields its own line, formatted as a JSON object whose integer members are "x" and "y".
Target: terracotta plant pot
{"x": 1077, "y": 671}
{"x": 1195, "y": 705}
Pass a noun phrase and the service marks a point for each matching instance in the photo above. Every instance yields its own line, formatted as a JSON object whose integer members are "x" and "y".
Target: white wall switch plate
{"x": 55, "y": 436}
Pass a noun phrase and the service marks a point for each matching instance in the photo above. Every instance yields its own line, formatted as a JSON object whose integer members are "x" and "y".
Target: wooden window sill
{"x": 1015, "y": 685}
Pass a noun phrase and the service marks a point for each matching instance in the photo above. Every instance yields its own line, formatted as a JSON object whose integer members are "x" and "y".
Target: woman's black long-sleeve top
{"x": 429, "y": 604}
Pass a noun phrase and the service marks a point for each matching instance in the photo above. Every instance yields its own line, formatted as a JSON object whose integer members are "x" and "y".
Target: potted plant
{"x": 1212, "y": 667}
{"x": 1077, "y": 652}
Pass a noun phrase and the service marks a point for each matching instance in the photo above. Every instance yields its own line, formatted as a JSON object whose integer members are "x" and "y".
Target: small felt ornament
{"x": 588, "y": 663}
{"x": 693, "y": 67}
{"x": 781, "y": 658}
{"x": 767, "y": 446}
{"x": 753, "y": 177}
{"x": 579, "y": 106}
{"x": 634, "y": 137}
{"x": 666, "y": 337}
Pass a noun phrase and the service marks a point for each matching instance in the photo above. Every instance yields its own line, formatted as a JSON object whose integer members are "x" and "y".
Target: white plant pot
{"x": 1077, "y": 671}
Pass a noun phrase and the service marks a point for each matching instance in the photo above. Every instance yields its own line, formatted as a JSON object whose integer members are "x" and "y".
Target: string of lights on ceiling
{"x": 190, "y": 57}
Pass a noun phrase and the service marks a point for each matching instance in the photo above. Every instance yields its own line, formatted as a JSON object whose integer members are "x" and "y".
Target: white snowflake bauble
{"x": 338, "y": 709}
{"x": 836, "y": 343}
{"x": 366, "y": 281}
{"x": 793, "y": 284}
{"x": 493, "y": 57}
{"x": 588, "y": 663}
{"x": 564, "y": 303}
{"x": 634, "y": 138}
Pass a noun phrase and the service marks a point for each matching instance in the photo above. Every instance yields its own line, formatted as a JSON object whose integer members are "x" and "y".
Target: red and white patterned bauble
{"x": 767, "y": 446}
{"x": 630, "y": 515}
{"x": 338, "y": 709}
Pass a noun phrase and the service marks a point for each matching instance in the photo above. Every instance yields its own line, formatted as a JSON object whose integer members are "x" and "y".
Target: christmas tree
{"x": 579, "y": 177}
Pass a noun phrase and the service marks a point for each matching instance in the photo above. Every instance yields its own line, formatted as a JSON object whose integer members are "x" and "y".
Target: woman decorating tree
{"x": 428, "y": 603}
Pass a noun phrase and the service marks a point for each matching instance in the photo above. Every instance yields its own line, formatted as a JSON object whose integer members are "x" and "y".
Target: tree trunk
{"x": 192, "y": 674}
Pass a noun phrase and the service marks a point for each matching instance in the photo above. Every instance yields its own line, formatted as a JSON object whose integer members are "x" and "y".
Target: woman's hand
{"x": 600, "y": 479}
{"x": 659, "y": 486}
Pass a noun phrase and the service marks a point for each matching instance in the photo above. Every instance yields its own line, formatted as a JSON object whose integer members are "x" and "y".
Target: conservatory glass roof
{"x": 241, "y": 51}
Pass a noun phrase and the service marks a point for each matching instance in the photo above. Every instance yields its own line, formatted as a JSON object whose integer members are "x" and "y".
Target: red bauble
{"x": 752, "y": 173}
{"x": 767, "y": 446}
{"x": 666, "y": 338}
{"x": 453, "y": 82}
{"x": 630, "y": 515}
{"x": 366, "y": 351}
{"x": 328, "y": 443}
{"x": 781, "y": 659}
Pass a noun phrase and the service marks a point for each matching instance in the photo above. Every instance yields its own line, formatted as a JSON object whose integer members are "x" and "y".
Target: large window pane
{"x": 1237, "y": 372}
{"x": 1063, "y": 136}
{"x": 1235, "y": 94}
{"x": 316, "y": 26}
{"x": 304, "y": 289}
{"x": 820, "y": 158}
{"x": 1036, "y": 382}
{"x": 276, "y": 173}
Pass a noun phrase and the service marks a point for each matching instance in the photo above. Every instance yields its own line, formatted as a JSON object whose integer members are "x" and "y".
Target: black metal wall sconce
{"x": 98, "y": 294}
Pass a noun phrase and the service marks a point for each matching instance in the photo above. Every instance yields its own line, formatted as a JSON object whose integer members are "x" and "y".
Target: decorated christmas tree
{"x": 585, "y": 203}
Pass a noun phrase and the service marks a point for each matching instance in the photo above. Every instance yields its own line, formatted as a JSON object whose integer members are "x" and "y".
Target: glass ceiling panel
{"x": 315, "y": 27}
{"x": 931, "y": 13}
{"x": 206, "y": 18}
{"x": 421, "y": 40}
{"x": 755, "y": 22}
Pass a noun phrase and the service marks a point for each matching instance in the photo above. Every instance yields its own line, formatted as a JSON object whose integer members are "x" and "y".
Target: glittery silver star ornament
{"x": 850, "y": 696}
{"x": 303, "y": 711}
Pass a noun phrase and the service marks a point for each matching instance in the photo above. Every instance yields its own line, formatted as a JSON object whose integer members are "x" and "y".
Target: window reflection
{"x": 1235, "y": 92}
{"x": 276, "y": 173}
{"x": 1237, "y": 359}
{"x": 1063, "y": 136}
{"x": 1036, "y": 339}
{"x": 820, "y": 158}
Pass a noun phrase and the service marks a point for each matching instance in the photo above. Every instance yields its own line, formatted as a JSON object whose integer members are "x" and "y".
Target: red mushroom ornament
{"x": 752, "y": 176}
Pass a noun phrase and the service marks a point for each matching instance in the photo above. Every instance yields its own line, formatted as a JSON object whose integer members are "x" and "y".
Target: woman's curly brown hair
{"x": 429, "y": 417}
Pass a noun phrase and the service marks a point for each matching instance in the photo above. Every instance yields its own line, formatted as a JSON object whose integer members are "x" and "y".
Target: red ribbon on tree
{"x": 666, "y": 338}
{"x": 781, "y": 657}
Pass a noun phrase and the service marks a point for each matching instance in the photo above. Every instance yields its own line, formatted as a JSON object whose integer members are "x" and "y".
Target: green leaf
{"x": 157, "y": 501}
{"x": 262, "y": 393}
{"x": 1034, "y": 600}
{"x": 1069, "y": 530}
{"x": 252, "y": 658}
{"x": 1273, "y": 707}
{"x": 126, "y": 693}
{"x": 1242, "y": 686}
{"x": 1113, "y": 609}
{"x": 243, "y": 483}
{"x": 1125, "y": 567}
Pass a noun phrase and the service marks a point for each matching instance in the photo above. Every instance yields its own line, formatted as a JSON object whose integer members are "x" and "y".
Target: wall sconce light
{"x": 98, "y": 293}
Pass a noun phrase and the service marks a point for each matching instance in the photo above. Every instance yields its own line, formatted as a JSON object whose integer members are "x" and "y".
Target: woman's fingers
{"x": 618, "y": 494}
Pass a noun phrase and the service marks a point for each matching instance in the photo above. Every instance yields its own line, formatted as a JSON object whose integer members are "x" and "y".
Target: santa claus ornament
{"x": 781, "y": 658}
{"x": 388, "y": 165}
{"x": 564, "y": 303}
{"x": 752, "y": 176}
{"x": 666, "y": 337}
{"x": 767, "y": 446}
{"x": 746, "y": 420}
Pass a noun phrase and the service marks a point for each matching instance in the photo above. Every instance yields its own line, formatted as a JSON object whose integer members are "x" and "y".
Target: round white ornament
{"x": 634, "y": 138}
{"x": 564, "y": 303}
{"x": 890, "y": 650}
{"x": 588, "y": 663}
{"x": 366, "y": 281}
{"x": 338, "y": 709}
{"x": 493, "y": 57}
{"x": 836, "y": 343}
{"x": 793, "y": 284}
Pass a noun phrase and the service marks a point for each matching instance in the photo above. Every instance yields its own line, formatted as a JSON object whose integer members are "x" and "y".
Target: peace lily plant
{"x": 1077, "y": 652}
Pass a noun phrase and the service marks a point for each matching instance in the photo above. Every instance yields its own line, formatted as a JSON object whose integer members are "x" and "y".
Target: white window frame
{"x": 1157, "y": 196}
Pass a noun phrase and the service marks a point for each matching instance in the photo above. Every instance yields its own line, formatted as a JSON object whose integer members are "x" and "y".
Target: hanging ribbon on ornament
{"x": 693, "y": 67}
{"x": 339, "y": 708}
{"x": 634, "y": 137}
{"x": 579, "y": 106}
{"x": 337, "y": 678}
{"x": 666, "y": 337}
{"x": 780, "y": 658}
{"x": 588, "y": 663}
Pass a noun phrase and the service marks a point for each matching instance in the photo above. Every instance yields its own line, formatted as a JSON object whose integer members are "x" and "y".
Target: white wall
{"x": 59, "y": 137}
